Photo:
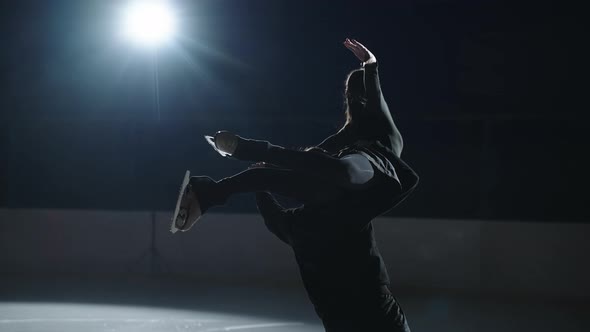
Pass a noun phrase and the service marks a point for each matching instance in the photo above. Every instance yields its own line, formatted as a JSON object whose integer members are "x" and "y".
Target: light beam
{"x": 149, "y": 23}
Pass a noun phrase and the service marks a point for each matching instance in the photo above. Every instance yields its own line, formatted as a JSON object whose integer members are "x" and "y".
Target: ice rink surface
{"x": 59, "y": 317}
{"x": 58, "y": 305}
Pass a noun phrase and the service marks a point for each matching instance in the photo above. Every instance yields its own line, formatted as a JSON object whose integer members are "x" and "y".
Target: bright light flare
{"x": 149, "y": 23}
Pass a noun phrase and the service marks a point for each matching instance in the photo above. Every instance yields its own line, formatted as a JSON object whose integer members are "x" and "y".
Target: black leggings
{"x": 303, "y": 175}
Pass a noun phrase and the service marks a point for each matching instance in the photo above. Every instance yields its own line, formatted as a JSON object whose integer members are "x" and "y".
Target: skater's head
{"x": 355, "y": 94}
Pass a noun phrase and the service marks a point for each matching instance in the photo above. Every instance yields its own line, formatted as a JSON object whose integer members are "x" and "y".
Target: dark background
{"x": 489, "y": 95}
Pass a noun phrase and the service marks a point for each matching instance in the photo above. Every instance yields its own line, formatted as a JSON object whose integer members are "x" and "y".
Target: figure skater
{"x": 345, "y": 182}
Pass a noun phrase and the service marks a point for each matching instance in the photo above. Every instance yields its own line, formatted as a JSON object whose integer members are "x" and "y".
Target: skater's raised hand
{"x": 360, "y": 51}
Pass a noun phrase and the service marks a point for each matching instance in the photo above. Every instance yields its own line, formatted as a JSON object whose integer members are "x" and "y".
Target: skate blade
{"x": 185, "y": 182}
{"x": 211, "y": 141}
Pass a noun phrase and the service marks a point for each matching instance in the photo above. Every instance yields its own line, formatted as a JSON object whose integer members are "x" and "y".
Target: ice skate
{"x": 197, "y": 195}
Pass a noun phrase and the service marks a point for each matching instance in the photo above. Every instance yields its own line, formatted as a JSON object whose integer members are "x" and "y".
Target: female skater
{"x": 346, "y": 181}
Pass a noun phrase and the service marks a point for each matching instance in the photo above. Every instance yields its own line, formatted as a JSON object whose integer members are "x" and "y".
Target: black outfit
{"x": 339, "y": 262}
{"x": 331, "y": 234}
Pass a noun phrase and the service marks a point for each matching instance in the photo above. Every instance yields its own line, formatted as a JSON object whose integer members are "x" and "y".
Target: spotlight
{"x": 149, "y": 22}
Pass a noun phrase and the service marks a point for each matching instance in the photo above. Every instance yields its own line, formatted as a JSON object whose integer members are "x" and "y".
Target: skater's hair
{"x": 354, "y": 102}
{"x": 354, "y": 95}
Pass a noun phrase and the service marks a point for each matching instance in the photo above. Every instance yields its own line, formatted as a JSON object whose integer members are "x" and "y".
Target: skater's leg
{"x": 359, "y": 170}
{"x": 202, "y": 193}
{"x": 314, "y": 177}
{"x": 297, "y": 185}
{"x": 350, "y": 170}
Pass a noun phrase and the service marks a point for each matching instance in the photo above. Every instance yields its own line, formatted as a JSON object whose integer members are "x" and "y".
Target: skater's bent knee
{"x": 359, "y": 170}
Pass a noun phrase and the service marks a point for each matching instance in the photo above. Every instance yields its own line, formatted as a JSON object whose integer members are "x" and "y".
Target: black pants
{"x": 388, "y": 317}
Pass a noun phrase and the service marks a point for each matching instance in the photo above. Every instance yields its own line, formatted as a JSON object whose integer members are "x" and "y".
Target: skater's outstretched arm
{"x": 375, "y": 102}
{"x": 351, "y": 171}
